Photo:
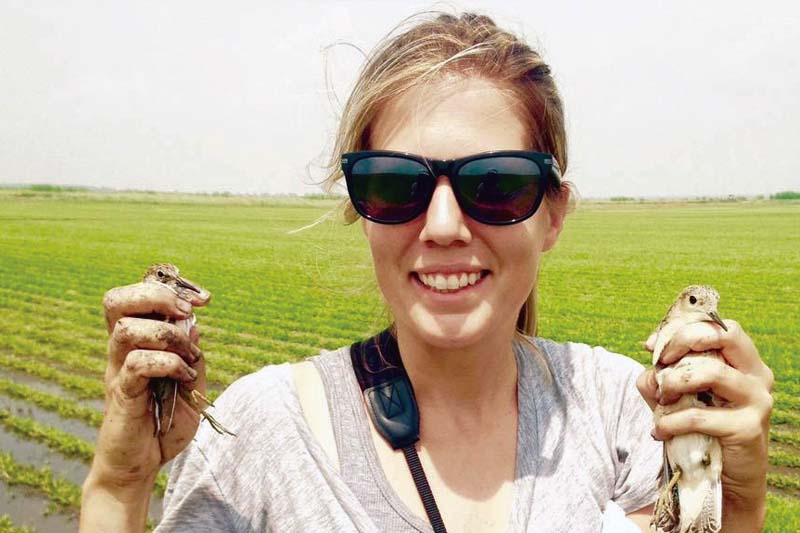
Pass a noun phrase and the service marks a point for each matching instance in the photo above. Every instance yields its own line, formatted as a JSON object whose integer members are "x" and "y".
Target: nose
{"x": 444, "y": 221}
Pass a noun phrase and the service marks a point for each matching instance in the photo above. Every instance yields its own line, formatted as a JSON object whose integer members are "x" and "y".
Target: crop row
{"x": 60, "y": 441}
{"x": 26, "y": 346}
{"x": 62, "y": 494}
{"x": 7, "y": 526}
{"x": 786, "y": 401}
{"x": 785, "y": 437}
{"x": 64, "y": 407}
{"x": 782, "y": 458}
{"x": 81, "y": 386}
{"x": 780, "y": 417}
{"x": 781, "y": 481}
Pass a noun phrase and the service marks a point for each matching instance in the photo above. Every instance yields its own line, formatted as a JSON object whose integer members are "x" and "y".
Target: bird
{"x": 169, "y": 275}
{"x": 691, "y": 500}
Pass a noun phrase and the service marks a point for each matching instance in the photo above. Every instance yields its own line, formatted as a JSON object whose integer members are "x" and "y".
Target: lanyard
{"x": 393, "y": 407}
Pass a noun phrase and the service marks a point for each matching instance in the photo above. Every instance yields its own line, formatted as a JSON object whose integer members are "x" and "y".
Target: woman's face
{"x": 447, "y": 121}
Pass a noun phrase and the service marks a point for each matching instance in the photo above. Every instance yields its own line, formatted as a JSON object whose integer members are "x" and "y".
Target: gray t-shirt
{"x": 583, "y": 440}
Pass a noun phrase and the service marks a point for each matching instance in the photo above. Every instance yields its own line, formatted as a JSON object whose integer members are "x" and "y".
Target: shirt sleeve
{"x": 193, "y": 500}
{"x": 638, "y": 459}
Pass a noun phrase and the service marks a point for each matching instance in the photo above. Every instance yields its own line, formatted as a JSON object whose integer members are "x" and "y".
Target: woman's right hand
{"x": 139, "y": 349}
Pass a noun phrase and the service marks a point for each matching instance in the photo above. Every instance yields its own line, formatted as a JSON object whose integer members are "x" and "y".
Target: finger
{"x": 140, "y": 333}
{"x": 648, "y": 388}
{"x": 650, "y": 343}
{"x": 743, "y": 424}
{"x": 736, "y": 346}
{"x": 695, "y": 374}
{"x": 143, "y": 365}
{"x": 143, "y": 299}
{"x": 194, "y": 335}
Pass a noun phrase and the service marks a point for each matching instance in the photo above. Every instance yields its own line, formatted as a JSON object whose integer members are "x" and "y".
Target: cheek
{"x": 387, "y": 245}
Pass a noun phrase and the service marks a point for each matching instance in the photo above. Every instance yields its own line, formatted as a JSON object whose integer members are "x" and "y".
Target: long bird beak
{"x": 186, "y": 285}
{"x": 715, "y": 317}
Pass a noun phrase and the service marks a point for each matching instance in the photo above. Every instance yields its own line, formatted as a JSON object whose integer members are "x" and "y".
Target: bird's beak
{"x": 186, "y": 285}
{"x": 715, "y": 317}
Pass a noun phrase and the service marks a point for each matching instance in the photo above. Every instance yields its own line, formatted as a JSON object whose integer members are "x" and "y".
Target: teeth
{"x": 452, "y": 282}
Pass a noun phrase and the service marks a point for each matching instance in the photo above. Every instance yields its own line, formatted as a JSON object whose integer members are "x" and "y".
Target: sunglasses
{"x": 497, "y": 188}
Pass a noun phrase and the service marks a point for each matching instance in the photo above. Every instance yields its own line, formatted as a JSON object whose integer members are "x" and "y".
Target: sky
{"x": 662, "y": 98}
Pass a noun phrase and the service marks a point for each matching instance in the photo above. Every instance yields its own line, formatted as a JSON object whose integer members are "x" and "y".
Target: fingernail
{"x": 192, "y": 373}
{"x": 184, "y": 306}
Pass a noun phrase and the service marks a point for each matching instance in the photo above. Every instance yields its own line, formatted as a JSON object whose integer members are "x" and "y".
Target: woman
{"x": 515, "y": 433}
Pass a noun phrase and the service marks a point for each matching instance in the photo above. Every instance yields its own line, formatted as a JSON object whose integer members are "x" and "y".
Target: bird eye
{"x": 692, "y": 300}
{"x": 161, "y": 275}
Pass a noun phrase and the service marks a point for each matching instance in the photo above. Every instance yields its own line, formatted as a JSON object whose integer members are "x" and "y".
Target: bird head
{"x": 697, "y": 303}
{"x": 168, "y": 274}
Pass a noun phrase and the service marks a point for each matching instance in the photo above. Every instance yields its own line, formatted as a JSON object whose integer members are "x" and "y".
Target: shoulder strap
{"x": 393, "y": 407}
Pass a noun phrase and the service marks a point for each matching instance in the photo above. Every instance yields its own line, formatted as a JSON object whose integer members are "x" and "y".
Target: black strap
{"x": 393, "y": 407}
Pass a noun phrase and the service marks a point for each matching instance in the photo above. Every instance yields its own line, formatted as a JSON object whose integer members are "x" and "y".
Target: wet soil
{"x": 27, "y": 508}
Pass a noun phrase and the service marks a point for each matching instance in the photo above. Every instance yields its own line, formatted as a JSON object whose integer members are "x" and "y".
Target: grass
{"x": 281, "y": 297}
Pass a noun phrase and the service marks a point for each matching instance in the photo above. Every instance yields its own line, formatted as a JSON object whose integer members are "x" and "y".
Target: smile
{"x": 450, "y": 282}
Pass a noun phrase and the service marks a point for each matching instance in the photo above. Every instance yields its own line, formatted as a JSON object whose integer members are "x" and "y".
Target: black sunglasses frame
{"x": 550, "y": 175}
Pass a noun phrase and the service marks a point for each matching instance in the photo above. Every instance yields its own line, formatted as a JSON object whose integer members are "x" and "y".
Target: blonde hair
{"x": 440, "y": 46}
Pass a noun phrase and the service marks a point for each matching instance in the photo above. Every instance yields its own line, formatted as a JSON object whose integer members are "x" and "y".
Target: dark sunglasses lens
{"x": 389, "y": 189}
{"x": 499, "y": 190}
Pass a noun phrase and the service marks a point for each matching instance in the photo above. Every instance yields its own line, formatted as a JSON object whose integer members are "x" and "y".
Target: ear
{"x": 557, "y": 212}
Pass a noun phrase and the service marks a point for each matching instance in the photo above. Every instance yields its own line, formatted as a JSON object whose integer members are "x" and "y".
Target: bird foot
{"x": 666, "y": 516}
{"x": 196, "y": 395}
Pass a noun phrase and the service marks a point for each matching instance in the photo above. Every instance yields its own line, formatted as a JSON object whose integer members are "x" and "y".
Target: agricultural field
{"x": 280, "y": 296}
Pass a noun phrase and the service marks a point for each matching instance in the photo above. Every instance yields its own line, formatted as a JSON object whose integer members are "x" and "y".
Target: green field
{"x": 280, "y": 296}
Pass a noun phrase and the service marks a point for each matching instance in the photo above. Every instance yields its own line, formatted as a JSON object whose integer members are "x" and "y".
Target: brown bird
{"x": 169, "y": 275}
{"x": 691, "y": 501}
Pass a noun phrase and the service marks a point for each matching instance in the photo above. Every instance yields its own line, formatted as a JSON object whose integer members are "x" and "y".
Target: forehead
{"x": 451, "y": 118}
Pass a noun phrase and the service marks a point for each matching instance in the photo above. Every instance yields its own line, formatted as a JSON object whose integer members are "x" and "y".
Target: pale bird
{"x": 169, "y": 275}
{"x": 691, "y": 501}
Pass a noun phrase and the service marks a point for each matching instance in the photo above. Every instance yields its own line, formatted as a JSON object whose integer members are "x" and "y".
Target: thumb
{"x": 650, "y": 343}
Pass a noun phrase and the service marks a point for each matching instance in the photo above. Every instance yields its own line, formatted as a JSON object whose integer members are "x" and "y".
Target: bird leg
{"x": 156, "y": 412}
{"x": 666, "y": 516}
{"x": 174, "y": 401}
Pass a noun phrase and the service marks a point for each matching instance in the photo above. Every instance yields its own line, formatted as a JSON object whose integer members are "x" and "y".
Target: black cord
{"x": 424, "y": 489}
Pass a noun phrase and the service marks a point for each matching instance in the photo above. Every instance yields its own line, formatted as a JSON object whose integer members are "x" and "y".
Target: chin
{"x": 450, "y": 331}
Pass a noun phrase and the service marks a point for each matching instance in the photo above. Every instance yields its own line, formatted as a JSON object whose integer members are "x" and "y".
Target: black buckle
{"x": 385, "y": 384}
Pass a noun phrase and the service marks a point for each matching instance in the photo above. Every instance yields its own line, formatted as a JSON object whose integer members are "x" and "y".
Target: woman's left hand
{"x": 742, "y": 426}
